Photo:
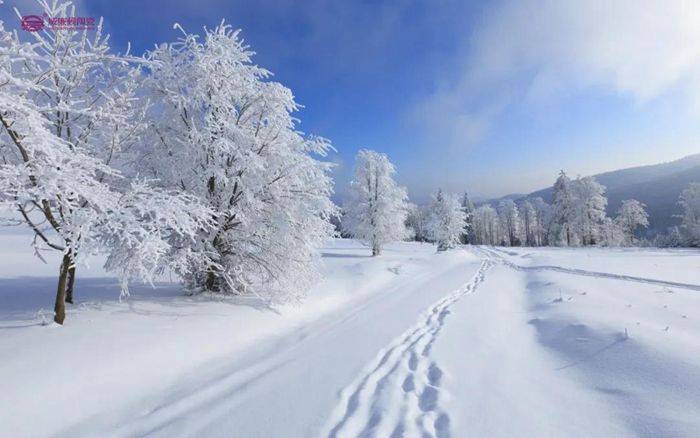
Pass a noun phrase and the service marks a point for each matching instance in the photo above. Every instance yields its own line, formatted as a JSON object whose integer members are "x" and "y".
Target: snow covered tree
{"x": 447, "y": 220}
{"x": 69, "y": 116}
{"x": 417, "y": 222}
{"x": 468, "y": 208}
{"x": 564, "y": 209}
{"x": 486, "y": 225}
{"x": 673, "y": 238}
{"x": 376, "y": 206}
{"x": 590, "y": 204}
{"x": 611, "y": 233}
{"x": 223, "y": 132}
{"x": 631, "y": 216}
{"x": 690, "y": 201}
{"x": 528, "y": 216}
{"x": 543, "y": 221}
{"x": 509, "y": 218}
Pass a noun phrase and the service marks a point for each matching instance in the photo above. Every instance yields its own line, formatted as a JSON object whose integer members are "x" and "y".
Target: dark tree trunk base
{"x": 60, "y": 305}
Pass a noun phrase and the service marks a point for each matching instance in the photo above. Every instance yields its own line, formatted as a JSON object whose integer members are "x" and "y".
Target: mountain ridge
{"x": 658, "y": 186}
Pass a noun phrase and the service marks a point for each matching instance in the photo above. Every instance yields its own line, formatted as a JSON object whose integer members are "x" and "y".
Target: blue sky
{"x": 489, "y": 97}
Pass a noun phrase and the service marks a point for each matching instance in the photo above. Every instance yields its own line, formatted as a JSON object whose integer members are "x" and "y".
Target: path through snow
{"x": 399, "y": 393}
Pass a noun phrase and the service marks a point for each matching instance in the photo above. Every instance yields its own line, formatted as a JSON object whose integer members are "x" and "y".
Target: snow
{"x": 673, "y": 265}
{"x": 474, "y": 341}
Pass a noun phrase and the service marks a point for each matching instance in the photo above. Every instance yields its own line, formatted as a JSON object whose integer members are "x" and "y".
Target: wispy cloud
{"x": 531, "y": 50}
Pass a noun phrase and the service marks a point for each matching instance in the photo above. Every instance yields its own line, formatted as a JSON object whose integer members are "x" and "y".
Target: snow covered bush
{"x": 376, "y": 207}
{"x": 447, "y": 221}
{"x": 673, "y": 238}
{"x": 70, "y": 116}
{"x": 224, "y": 133}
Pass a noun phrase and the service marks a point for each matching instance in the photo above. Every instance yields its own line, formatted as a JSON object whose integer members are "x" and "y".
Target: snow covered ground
{"x": 475, "y": 342}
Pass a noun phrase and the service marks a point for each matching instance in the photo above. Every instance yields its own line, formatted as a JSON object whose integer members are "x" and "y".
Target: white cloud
{"x": 640, "y": 49}
{"x": 637, "y": 47}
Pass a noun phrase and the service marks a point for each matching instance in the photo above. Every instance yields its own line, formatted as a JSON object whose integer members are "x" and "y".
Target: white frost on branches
{"x": 224, "y": 133}
{"x": 690, "y": 201}
{"x": 70, "y": 116}
{"x": 376, "y": 208}
{"x": 631, "y": 216}
{"x": 447, "y": 220}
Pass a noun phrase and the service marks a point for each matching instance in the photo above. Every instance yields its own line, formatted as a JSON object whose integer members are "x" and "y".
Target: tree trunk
{"x": 60, "y": 306}
{"x": 376, "y": 249}
{"x": 212, "y": 280}
{"x": 71, "y": 282}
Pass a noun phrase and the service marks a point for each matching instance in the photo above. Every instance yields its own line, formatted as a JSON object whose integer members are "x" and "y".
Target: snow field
{"x": 477, "y": 341}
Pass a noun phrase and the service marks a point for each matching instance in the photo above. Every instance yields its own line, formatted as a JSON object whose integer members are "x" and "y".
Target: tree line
{"x": 576, "y": 217}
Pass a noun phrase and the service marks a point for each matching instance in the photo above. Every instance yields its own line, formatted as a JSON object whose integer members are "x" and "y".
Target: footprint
{"x": 408, "y": 384}
{"x": 442, "y": 426}
{"x": 413, "y": 361}
{"x": 374, "y": 420}
{"x": 427, "y": 348}
{"x": 398, "y": 431}
{"x": 428, "y": 399}
{"x": 443, "y": 314}
{"x": 434, "y": 374}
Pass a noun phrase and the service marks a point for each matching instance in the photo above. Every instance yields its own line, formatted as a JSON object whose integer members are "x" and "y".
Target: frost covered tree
{"x": 447, "y": 221}
{"x": 417, "y": 222}
{"x": 376, "y": 207}
{"x": 673, "y": 238}
{"x": 612, "y": 233}
{"x": 223, "y": 132}
{"x": 630, "y": 217}
{"x": 690, "y": 220}
{"x": 564, "y": 209}
{"x": 69, "y": 115}
{"x": 468, "y": 208}
{"x": 543, "y": 221}
{"x": 590, "y": 204}
{"x": 509, "y": 218}
{"x": 528, "y": 216}
{"x": 486, "y": 226}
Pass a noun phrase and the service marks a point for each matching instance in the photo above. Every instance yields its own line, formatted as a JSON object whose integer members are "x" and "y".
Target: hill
{"x": 658, "y": 186}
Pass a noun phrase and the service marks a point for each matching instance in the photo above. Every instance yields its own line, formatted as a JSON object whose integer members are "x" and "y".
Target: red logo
{"x": 32, "y": 23}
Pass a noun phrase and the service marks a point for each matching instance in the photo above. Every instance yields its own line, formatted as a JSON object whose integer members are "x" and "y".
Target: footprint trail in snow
{"x": 399, "y": 393}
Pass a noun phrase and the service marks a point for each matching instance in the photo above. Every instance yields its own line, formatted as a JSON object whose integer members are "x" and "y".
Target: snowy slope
{"x": 134, "y": 367}
{"x": 475, "y": 341}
